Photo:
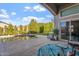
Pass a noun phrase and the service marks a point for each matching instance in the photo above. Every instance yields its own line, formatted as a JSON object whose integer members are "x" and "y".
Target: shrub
{"x": 55, "y": 31}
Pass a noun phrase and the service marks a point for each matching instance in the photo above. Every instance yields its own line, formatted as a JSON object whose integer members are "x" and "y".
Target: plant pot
{"x": 56, "y": 37}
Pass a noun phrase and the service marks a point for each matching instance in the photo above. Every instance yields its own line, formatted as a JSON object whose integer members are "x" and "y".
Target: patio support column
{"x": 56, "y": 21}
{"x": 70, "y": 30}
{"x": 59, "y": 30}
{"x": 57, "y": 25}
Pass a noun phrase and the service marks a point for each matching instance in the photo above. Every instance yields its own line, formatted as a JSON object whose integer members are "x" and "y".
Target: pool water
{"x": 14, "y": 38}
{"x": 54, "y": 50}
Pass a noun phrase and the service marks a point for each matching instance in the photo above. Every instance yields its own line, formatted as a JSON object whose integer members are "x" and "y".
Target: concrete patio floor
{"x": 26, "y": 47}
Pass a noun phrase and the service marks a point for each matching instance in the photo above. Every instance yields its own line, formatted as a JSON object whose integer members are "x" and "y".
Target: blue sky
{"x": 22, "y": 13}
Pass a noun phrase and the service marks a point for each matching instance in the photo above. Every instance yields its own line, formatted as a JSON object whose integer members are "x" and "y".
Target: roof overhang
{"x": 54, "y": 8}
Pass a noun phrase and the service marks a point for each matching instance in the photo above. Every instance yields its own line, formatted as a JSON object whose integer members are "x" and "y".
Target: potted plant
{"x": 56, "y": 32}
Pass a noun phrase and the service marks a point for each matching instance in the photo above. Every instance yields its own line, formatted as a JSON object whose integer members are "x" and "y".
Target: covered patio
{"x": 66, "y": 19}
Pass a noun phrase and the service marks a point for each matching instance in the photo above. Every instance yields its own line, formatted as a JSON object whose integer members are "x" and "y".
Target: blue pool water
{"x": 54, "y": 50}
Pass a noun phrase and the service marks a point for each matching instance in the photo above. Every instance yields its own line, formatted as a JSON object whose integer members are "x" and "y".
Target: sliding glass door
{"x": 75, "y": 32}
{"x": 70, "y": 30}
{"x": 64, "y": 30}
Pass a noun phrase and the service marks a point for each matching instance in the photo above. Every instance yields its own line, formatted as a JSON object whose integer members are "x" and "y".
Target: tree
{"x": 41, "y": 29}
{"x": 33, "y": 26}
{"x": 16, "y": 30}
{"x": 20, "y": 29}
{"x": 48, "y": 27}
{"x": 10, "y": 29}
{"x": 51, "y": 26}
{"x": 25, "y": 29}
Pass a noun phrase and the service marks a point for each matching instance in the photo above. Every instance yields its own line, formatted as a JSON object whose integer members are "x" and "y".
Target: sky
{"x": 22, "y": 13}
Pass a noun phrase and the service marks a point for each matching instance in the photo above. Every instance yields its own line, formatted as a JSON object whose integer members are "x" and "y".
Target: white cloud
{"x": 42, "y": 18}
{"x": 6, "y": 20}
{"x": 49, "y": 16}
{"x": 3, "y": 14}
{"x": 28, "y": 8}
{"x": 28, "y": 18}
{"x": 37, "y": 8}
{"x": 38, "y": 19}
{"x": 13, "y": 13}
{"x": 21, "y": 21}
{"x": 3, "y": 11}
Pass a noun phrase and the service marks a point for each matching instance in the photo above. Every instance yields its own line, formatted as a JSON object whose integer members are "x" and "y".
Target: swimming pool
{"x": 54, "y": 50}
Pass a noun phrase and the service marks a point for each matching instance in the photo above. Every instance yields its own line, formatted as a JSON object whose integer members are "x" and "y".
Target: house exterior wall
{"x": 69, "y": 14}
{"x": 3, "y": 25}
{"x": 69, "y": 11}
{"x": 64, "y": 13}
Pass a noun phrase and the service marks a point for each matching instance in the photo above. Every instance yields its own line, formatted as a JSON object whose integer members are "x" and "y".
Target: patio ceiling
{"x": 54, "y": 8}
